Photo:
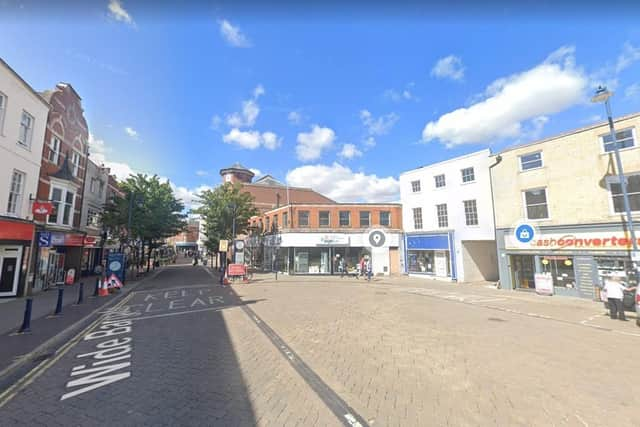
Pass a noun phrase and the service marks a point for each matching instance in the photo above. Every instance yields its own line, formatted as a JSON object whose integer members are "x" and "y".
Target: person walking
{"x": 368, "y": 268}
{"x": 341, "y": 267}
{"x": 615, "y": 294}
{"x": 361, "y": 265}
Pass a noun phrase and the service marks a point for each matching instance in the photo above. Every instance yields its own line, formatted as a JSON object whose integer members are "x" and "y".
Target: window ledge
{"x": 613, "y": 152}
{"x": 532, "y": 169}
{"x": 468, "y": 182}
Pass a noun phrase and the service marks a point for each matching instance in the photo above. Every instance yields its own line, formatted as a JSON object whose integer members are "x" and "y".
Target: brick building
{"x": 62, "y": 176}
{"x": 307, "y": 238}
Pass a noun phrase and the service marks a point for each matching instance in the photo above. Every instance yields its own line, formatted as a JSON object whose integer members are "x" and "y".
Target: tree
{"x": 218, "y": 207}
{"x": 155, "y": 212}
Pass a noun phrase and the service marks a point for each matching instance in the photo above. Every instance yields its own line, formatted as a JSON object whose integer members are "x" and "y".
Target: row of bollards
{"x": 26, "y": 322}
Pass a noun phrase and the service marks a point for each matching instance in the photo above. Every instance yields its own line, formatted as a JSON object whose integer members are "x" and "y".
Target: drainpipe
{"x": 493, "y": 209}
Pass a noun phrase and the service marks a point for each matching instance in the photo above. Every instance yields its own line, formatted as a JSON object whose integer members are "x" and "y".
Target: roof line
{"x": 571, "y": 132}
{"x": 448, "y": 160}
{"x": 33, "y": 91}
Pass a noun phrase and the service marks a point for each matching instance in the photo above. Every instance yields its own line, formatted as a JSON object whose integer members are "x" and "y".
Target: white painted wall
{"x": 453, "y": 194}
{"x": 13, "y": 155}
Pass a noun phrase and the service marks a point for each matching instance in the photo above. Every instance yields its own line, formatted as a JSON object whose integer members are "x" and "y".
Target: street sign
{"x": 116, "y": 265}
{"x": 635, "y": 256}
{"x": 236, "y": 270}
{"x": 223, "y": 246}
{"x": 44, "y": 239}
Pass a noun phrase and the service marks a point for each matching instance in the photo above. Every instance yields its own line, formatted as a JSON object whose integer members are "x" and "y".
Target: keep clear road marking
{"x": 341, "y": 409}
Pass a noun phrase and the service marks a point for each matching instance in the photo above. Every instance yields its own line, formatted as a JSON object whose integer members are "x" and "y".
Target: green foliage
{"x": 155, "y": 212}
{"x": 218, "y": 209}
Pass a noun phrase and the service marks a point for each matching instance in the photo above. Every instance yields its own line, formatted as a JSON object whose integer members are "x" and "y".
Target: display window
{"x": 561, "y": 269}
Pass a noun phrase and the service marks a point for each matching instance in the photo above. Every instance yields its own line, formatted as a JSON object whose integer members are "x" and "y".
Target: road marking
{"x": 347, "y": 416}
{"x": 42, "y": 367}
{"x": 179, "y": 313}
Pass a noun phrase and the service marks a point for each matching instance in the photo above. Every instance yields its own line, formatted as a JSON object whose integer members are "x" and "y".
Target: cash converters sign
{"x": 532, "y": 239}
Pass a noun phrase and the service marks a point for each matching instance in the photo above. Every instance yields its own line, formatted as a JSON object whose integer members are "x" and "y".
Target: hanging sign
{"x": 42, "y": 208}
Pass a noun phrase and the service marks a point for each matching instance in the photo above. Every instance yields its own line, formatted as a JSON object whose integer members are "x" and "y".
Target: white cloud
{"x": 248, "y": 116}
{"x": 131, "y": 132}
{"x": 548, "y": 88}
{"x": 294, "y": 117}
{"x": 258, "y": 92}
{"x": 233, "y": 35}
{"x": 189, "y": 196}
{"x": 380, "y": 126}
{"x": 343, "y": 185}
{"x": 629, "y": 55}
{"x": 119, "y": 13}
{"x": 349, "y": 151}
{"x": 632, "y": 91}
{"x": 401, "y": 95}
{"x": 202, "y": 173}
{"x": 252, "y": 139}
{"x": 311, "y": 144}
{"x": 256, "y": 172}
{"x": 592, "y": 119}
{"x": 448, "y": 67}
{"x": 98, "y": 153}
{"x": 370, "y": 142}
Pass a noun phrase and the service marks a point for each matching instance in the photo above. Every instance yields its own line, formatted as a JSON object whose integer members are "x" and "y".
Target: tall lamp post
{"x": 603, "y": 95}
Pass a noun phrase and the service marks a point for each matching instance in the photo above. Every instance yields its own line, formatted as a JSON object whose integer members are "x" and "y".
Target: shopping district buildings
{"x": 546, "y": 213}
{"x": 51, "y": 193}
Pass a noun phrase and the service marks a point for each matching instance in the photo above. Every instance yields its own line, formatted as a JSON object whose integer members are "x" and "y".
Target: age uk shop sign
{"x": 601, "y": 240}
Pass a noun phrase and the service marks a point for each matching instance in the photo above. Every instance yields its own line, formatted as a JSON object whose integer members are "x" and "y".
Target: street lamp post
{"x": 603, "y": 95}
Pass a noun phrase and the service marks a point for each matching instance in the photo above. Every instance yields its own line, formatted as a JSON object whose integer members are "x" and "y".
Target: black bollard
{"x": 59, "y": 303}
{"x": 26, "y": 322}
{"x": 97, "y": 289}
{"x": 80, "y": 293}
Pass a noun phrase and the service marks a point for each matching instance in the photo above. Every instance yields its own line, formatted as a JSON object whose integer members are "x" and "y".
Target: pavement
{"x": 179, "y": 349}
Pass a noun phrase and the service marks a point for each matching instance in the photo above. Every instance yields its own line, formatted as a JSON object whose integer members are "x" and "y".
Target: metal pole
{"x": 623, "y": 182}
{"x": 26, "y": 322}
{"x": 59, "y": 302}
{"x": 493, "y": 210}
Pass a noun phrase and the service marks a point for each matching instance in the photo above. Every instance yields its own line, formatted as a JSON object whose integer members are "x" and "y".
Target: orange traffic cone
{"x": 103, "y": 292}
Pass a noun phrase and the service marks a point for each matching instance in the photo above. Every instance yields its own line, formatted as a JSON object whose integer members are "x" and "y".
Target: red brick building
{"x": 62, "y": 177}
{"x": 311, "y": 238}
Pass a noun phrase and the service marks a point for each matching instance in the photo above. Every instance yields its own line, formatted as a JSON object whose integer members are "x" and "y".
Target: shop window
{"x": 324, "y": 219}
{"x": 417, "y": 218}
{"x": 621, "y": 267}
{"x": 365, "y": 219}
{"x": 536, "y": 203}
{"x": 303, "y": 218}
{"x": 624, "y": 138}
{"x": 633, "y": 191}
{"x": 440, "y": 181}
{"x": 470, "y": 212}
{"x": 468, "y": 175}
{"x": 345, "y": 218}
{"x": 385, "y": 218}
{"x": 561, "y": 270}
{"x": 415, "y": 186}
{"x": 443, "y": 218}
{"x": 531, "y": 161}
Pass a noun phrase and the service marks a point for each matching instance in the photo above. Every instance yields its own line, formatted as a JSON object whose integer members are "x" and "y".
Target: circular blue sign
{"x": 524, "y": 233}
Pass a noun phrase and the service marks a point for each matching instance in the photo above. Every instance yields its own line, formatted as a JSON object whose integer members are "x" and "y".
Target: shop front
{"x": 57, "y": 253}
{"x": 574, "y": 260}
{"x": 430, "y": 255}
{"x": 15, "y": 244}
{"x": 321, "y": 253}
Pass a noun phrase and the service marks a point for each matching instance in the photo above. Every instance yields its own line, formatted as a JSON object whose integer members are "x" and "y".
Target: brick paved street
{"x": 182, "y": 350}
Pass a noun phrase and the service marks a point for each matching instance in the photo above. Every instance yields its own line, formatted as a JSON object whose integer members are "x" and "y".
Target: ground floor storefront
{"x": 15, "y": 250}
{"x": 57, "y": 253}
{"x": 571, "y": 261}
{"x": 430, "y": 255}
{"x": 326, "y": 253}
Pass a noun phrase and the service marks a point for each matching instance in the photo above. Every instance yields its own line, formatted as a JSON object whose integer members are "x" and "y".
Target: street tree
{"x": 149, "y": 213}
{"x": 218, "y": 207}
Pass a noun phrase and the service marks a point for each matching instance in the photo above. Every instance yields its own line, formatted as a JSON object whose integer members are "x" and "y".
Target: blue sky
{"x": 319, "y": 99}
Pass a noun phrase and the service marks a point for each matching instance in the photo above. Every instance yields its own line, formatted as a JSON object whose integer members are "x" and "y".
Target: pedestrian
{"x": 614, "y": 289}
{"x": 362, "y": 266}
{"x": 368, "y": 267}
{"x": 341, "y": 267}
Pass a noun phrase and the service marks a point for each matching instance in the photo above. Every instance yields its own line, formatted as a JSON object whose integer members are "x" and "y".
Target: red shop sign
{"x": 13, "y": 230}
{"x": 90, "y": 241}
{"x": 73, "y": 239}
{"x": 42, "y": 208}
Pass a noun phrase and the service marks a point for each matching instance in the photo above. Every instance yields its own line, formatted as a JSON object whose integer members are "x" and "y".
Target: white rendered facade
{"x": 455, "y": 238}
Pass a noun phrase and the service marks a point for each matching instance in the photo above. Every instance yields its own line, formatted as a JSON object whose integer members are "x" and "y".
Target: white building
{"x": 23, "y": 118}
{"x": 448, "y": 219}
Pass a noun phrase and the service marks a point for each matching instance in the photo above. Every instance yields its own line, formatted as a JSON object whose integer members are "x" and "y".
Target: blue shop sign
{"x": 433, "y": 242}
